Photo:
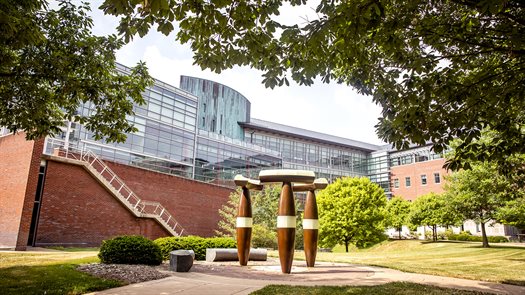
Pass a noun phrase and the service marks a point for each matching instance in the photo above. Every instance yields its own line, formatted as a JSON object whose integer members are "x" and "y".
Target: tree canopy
{"x": 478, "y": 194}
{"x": 50, "y": 63}
{"x": 433, "y": 210}
{"x": 398, "y": 210}
{"x": 439, "y": 69}
{"x": 351, "y": 211}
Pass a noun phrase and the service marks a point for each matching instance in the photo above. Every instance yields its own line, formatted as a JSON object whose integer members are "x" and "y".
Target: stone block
{"x": 181, "y": 260}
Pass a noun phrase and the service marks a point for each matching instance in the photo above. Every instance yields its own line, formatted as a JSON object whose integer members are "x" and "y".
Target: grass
{"x": 75, "y": 249}
{"x": 49, "y": 273}
{"x": 503, "y": 264}
{"x": 386, "y": 289}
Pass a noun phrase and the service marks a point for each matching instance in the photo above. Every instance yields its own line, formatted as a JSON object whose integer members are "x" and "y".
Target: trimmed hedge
{"x": 197, "y": 244}
{"x": 466, "y": 236}
{"x": 130, "y": 250}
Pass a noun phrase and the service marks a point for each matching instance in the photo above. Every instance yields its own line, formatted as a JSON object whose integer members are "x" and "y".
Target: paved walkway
{"x": 229, "y": 278}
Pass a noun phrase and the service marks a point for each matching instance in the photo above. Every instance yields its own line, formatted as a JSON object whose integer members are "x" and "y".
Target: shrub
{"x": 197, "y": 244}
{"x": 498, "y": 239}
{"x": 441, "y": 235}
{"x": 130, "y": 250}
{"x": 262, "y": 237}
{"x": 467, "y": 236}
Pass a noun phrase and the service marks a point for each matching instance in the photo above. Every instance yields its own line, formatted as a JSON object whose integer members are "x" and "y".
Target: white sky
{"x": 329, "y": 108}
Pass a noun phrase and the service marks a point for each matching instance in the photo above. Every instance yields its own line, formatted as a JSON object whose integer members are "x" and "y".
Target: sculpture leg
{"x": 286, "y": 227}
{"x": 310, "y": 229}
{"x": 244, "y": 227}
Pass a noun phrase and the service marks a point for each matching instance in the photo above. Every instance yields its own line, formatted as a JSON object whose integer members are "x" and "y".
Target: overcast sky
{"x": 328, "y": 108}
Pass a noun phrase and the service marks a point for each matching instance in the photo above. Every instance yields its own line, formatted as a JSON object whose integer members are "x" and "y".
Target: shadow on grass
{"x": 50, "y": 279}
{"x": 472, "y": 244}
{"x": 514, "y": 282}
{"x": 74, "y": 249}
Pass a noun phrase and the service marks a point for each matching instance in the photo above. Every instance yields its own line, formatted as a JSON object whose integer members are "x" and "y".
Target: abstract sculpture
{"x": 292, "y": 180}
{"x": 286, "y": 216}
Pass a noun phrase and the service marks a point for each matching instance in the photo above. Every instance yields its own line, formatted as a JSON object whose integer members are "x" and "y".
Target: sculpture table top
{"x": 251, "y": 184}
{"x": 319, "y": 183}
{"x": 287, "y": 175}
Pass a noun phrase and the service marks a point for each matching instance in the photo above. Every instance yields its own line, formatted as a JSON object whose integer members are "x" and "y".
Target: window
{"x": 423, "y": 179}
{"x": 437, "y": 178}
{"x": 396, "y": 183}
{"x": 407, "y": 181}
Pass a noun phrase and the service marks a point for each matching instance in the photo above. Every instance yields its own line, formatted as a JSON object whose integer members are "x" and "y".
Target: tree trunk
{"x": 434, "y": 233}
{"x": 399, "y": 230}
{"x": 484, "y": 236}
{"x": 346, "y": 245}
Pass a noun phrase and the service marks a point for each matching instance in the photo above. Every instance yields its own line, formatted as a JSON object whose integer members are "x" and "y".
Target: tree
{"x": 440, "y": 69}
{"x": 433, "y": 210}
{"x": 478, "y": 194}
{"x": 50, "y": 63}
{"x": 351, "y": 211}
{"x": 397, "y": 210}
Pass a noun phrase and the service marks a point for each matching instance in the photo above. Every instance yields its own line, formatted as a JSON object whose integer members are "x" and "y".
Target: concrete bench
{"x": 181, "y": 260}
{"x": 223, "y": 254}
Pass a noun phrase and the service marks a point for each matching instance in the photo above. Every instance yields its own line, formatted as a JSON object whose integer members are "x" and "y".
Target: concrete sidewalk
{"x": 229, "y": 278}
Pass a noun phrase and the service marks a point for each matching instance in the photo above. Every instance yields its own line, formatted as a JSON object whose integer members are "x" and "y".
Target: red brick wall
{"x": 194, "y": 204}
{"x": 76, "y": 209}
{"x": 19, "y": 164}
{"x": 414, "y": 171}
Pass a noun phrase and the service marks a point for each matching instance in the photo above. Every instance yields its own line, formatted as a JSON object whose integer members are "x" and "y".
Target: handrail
{"x": 123, "y": 192}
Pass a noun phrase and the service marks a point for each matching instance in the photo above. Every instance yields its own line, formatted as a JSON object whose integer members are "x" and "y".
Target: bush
{"x": 467, "y": 236}
{"x": 299, "y": 238}
{"x": 197, "y": 244}
{"x": 441, "y": 235}
{"x": 262, "y": 237}
{"x": 498, "y": 239}
{"x": 130, "y": 250}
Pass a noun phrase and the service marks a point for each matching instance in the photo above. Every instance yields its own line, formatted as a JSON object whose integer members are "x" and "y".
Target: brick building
{"x": 416, "y": 172}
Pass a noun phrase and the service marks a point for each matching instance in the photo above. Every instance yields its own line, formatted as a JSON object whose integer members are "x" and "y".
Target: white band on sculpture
{"x": 244, "y": 222}
{"x": 286, "y": 221}
{"x": 310, "y": 223}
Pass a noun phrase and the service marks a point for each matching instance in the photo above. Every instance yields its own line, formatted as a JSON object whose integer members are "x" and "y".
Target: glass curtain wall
{"x": 165, "y": 139}
{"x": 328, "y": 161}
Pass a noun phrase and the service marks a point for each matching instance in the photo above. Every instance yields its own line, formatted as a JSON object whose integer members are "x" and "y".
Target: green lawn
{"x": 49, "y": 273}
{"x": 499, "y": 263}
{"x": 386, "y": 289}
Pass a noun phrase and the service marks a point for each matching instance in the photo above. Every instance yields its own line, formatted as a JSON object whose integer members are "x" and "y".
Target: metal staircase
{"x": 105, "y": 176}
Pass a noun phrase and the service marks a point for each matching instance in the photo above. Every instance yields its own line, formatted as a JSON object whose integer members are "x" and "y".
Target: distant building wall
{"x": 19, "y": 164}
{"x": 77, "y": 210}
{"x": 414, "y": 171}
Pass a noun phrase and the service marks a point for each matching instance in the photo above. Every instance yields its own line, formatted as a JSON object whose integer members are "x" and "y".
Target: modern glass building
{"x": 203, "y": 130}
